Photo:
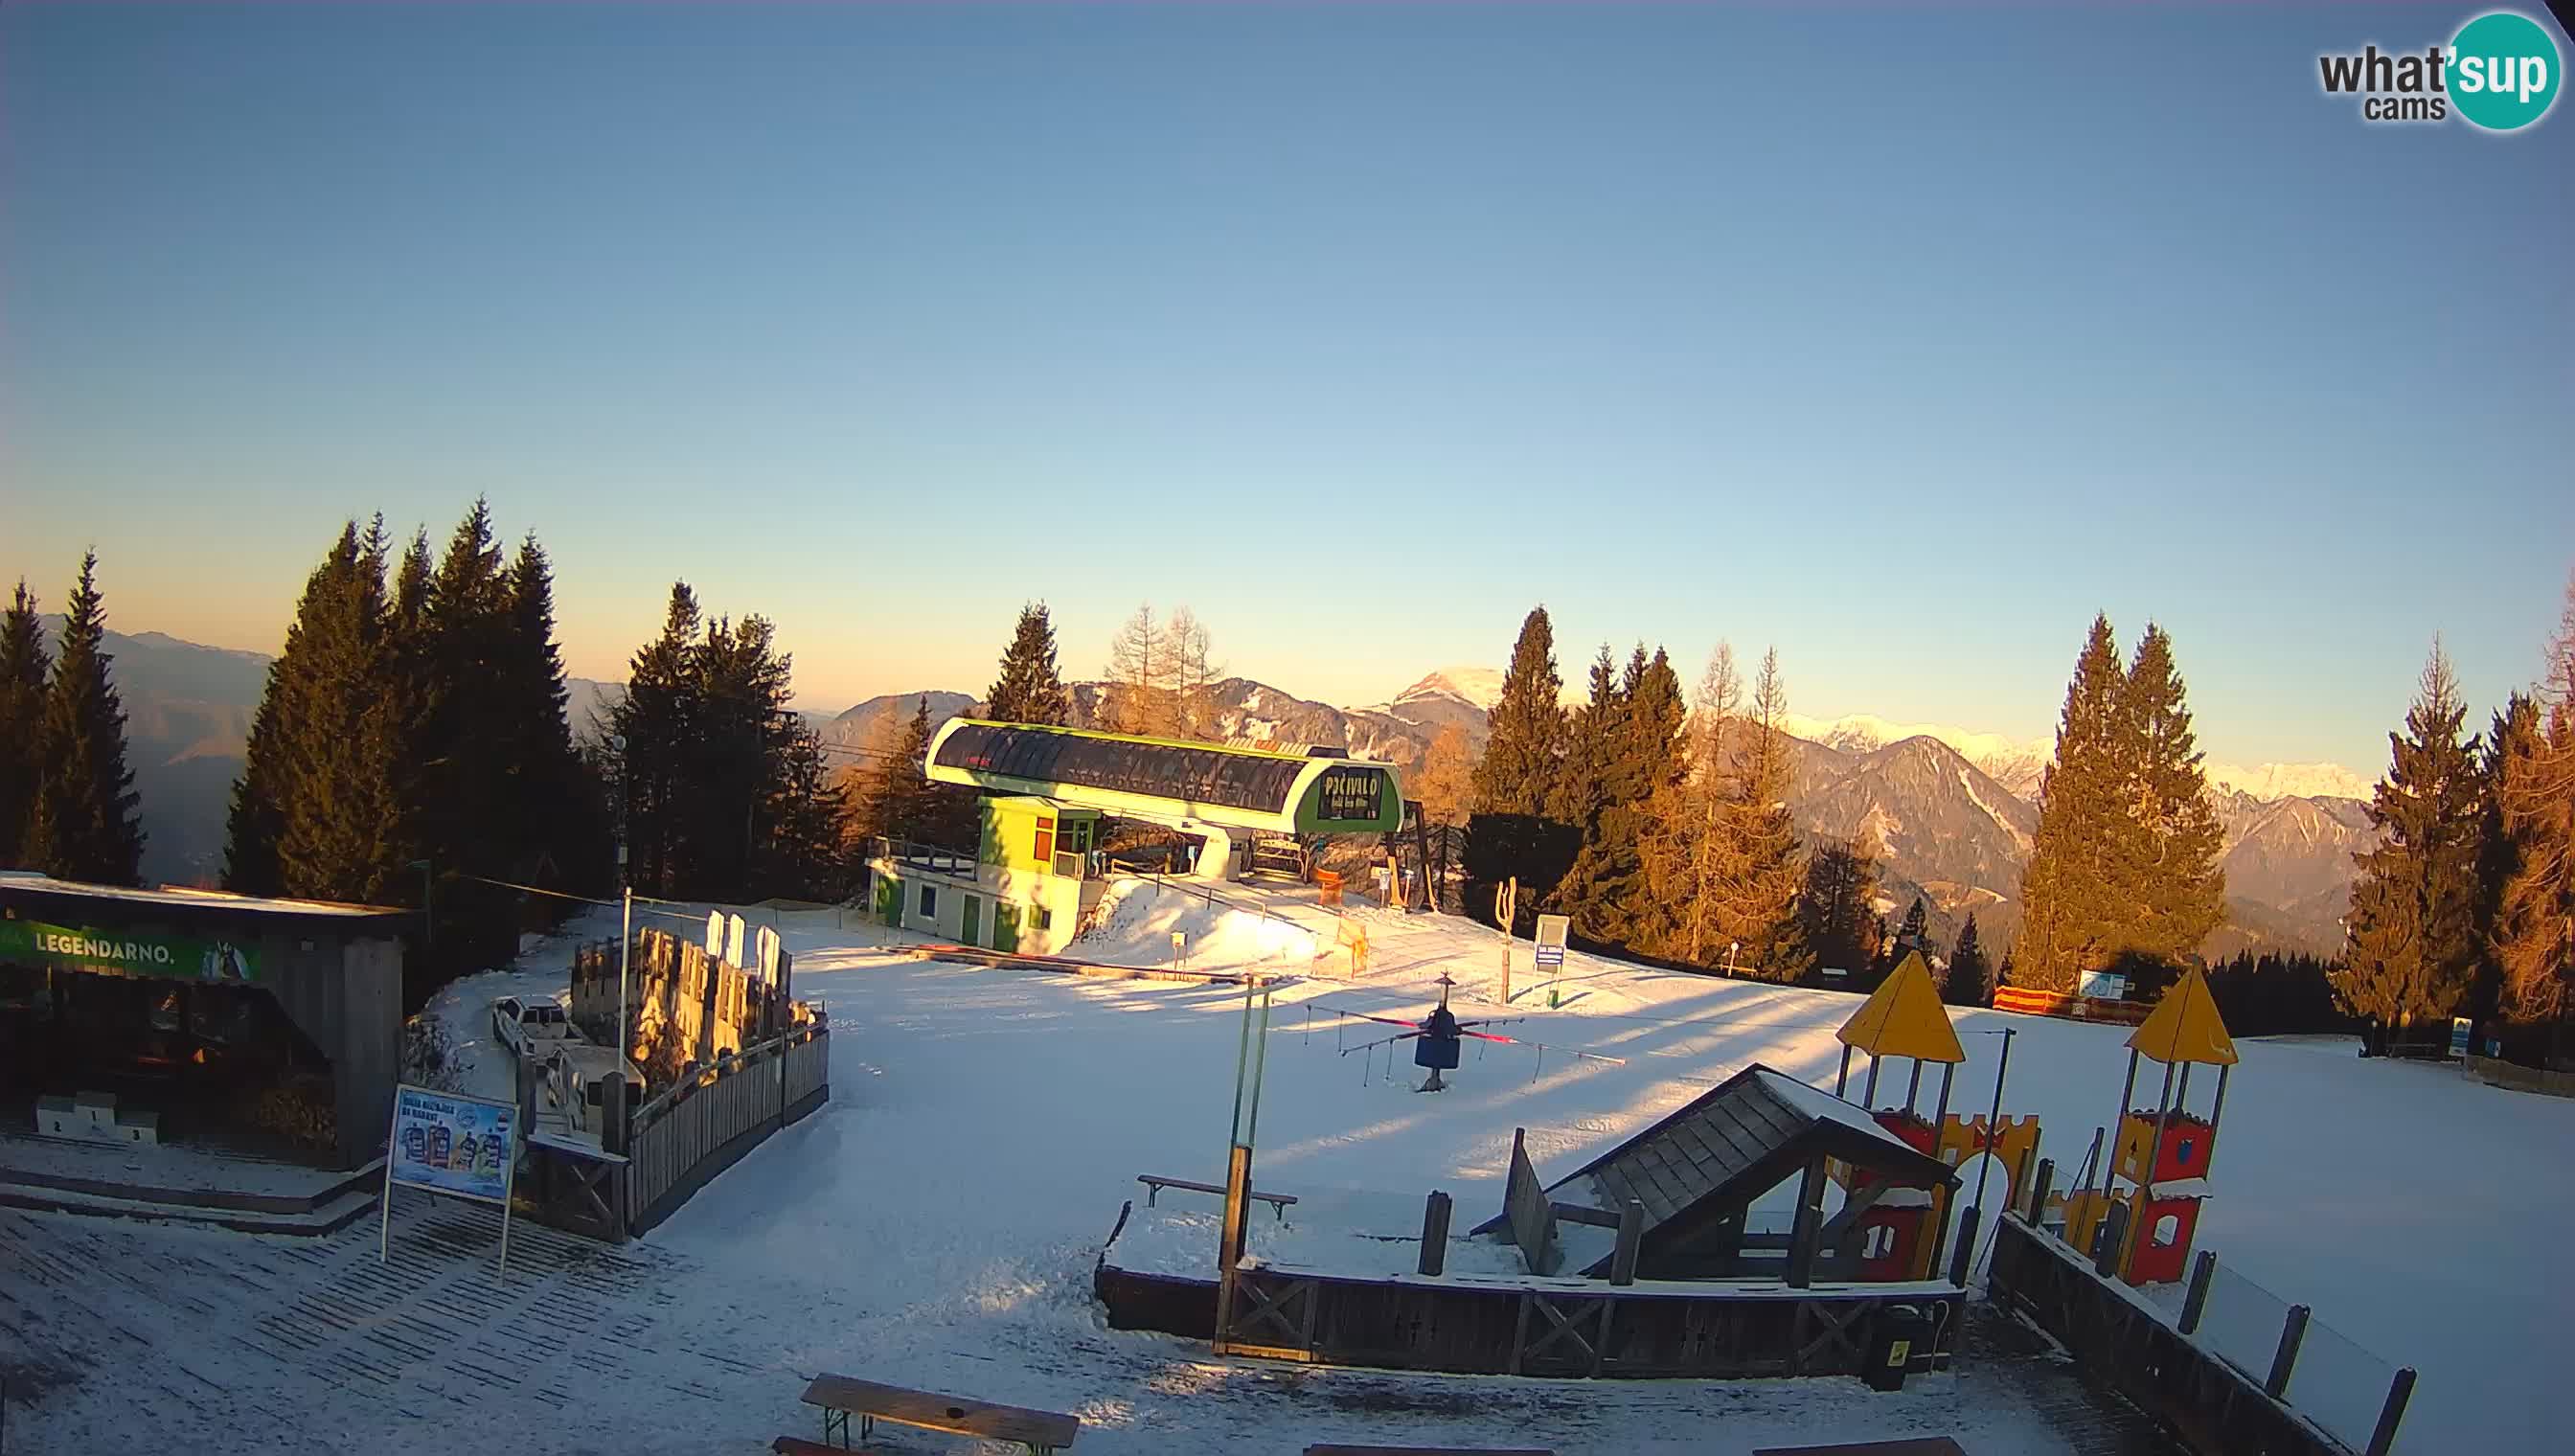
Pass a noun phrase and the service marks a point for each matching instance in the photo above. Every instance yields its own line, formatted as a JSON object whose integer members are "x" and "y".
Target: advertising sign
{"x": 465, "y": 1147}
{"x": 459, "y": 1145}
{"x": 2103, "y": 985}
{"x": 124, "y": 952}
{"x": 1354, "y": 795}
{"x": 1551, "y": 930}
{"x": 767, "y": 940}
{"x": 2461, "y": 1028}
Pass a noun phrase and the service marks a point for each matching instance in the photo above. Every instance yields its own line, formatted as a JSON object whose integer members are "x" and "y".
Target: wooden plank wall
{"x": 718, "y": 1007}
{"x": 696, "y": 1130}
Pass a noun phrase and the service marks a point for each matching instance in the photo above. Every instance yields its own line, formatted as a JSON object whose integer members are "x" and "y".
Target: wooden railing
{"x": 700, "y": 1127}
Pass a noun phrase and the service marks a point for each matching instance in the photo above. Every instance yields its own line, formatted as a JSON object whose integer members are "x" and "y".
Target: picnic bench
{"x": 842, "y": 1396}
{"x": 1429, "y": 1451}
{"x": 1154, "y": 1187}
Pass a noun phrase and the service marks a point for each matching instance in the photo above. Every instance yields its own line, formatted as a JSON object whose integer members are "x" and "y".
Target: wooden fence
{"x": 2521, "y": 1079}
{"x": 676, "y": 994}
{"x": 686, "y": 1136}
{"x": 2071, "y": 1008}
{"x": 2117, "y": 1337}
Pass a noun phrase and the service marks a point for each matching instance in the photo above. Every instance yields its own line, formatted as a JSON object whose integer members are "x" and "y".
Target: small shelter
{"x": 244, "y": 1025}
{"x": 1692, "y": 1177}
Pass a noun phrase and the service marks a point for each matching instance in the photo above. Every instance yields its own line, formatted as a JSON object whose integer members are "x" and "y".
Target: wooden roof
{"x": 1734, "y": 1143}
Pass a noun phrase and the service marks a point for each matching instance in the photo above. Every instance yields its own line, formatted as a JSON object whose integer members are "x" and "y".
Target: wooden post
{"x": 617, "y": 1135}
{"x": 2209, "y": 1154}
{"x": 1229, "y": 1241}
{"x": 1435, "y": 1233}
{"x": 2110, "y": 1238}
{"x": 1810, "y": 1219}
{"x": 1841, "y": 1078}
{"x": 2294, "y": 1332}
{"x": 2038, "y": 1182}
{"x": 2203, "y": 1268}
{"x": 2138, "y": 1226}
{"x": 2399, "y": 1391}
{"x": 1941, "y": 1197}
{"x": 1631, "y": 1235}
{"x": 1868, "y": 1090}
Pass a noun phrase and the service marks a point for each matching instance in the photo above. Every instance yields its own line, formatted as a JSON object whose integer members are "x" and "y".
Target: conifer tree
{"x": 1582, "y": 782}
{"x": 1521, "y": 758}
{"x": 2534, "y": 930}
{"x": 658, "y": 719}
{"x": 84, "y": 825}
{"x": 1837, "y": 913}
{"x": 336, "y": 803}
{"x": 1910, "y": 936}
{"x": 2414, "y": 933}
{"x": 1688, "y": 852}
{"x": 2077, "y": 872}
{"x": 1968, "y": 981}
{"x": 1510, "y": 833}
{"x": 25, "y": 665}
{"x": 2514, "y": 737}
{"x": 1031, "y": 688}
{"x": 2174, "y": 894}
{"x": 556, "y": 829}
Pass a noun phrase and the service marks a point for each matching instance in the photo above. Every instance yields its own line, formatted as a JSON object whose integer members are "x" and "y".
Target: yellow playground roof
{"x": 2185, "y": 1027}
{"x": 1904, "y": 1017}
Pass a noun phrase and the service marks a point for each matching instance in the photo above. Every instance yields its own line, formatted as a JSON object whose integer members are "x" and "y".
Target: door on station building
{"x": 890, "y": 900}
{"x": 1006, "y": 928}
{"x": 973, "y": 922}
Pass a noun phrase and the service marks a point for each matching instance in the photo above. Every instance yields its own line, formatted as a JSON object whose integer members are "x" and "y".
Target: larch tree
{"x": 2534, "y": 926}
{"x": 1186, "y": 646}
{"x": 1030, "y": 688}
{"x": 1688, "y": 853}
{"x": 1445, "y": 782}
{"x": 1139, "y": 694}
{"x": 25, "y": 665}
{"x": 2414, "y": 933}
{"x": 1768, "y": 874}
{"x": 84, "y": 825}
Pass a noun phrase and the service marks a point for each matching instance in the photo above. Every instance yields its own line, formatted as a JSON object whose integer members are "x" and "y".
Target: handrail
{"x": 730, "y": 1064}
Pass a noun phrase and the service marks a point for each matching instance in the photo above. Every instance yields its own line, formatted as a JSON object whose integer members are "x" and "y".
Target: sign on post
{"x": 1551, "y": 930}
{"x": 464, "y": 1148}
{"x": 2103, "y": 985}
{"x": 2461, "y": 1028}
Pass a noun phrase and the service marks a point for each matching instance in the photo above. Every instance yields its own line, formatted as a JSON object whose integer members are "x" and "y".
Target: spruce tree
{"x": 1581, "y": 791}
{"x": 25, "y": 665}
{"x": 2534, "y": 927}
{"x": 1031, "y": 688}
{"x": 466, "y": 739}
{"x": 1837, "y": 913}
{"x": 1910, "y": 936}
{"x": 336, "y": 807}
{"x": 656, "y": 720}
{"x": 2414, "y": 931}
{"x": 1510, "y": 834}
{"x": 1518, "y": 772}
{"x": 2077, "y": 872}
{"x": 84, "y": 825}
{"x": 2172, "y": 894}
{"x": 555, "y": 824}
{"x": 1969, "y": 981}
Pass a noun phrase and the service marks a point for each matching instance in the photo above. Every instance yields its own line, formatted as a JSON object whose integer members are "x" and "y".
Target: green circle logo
{"x": 2503, "y": 71}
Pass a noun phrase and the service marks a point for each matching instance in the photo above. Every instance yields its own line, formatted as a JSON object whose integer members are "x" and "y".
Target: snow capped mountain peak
{"x": 2014, "y": 763}
{"x": 1481, "y": 687}
{"x": 2288, "y": 780}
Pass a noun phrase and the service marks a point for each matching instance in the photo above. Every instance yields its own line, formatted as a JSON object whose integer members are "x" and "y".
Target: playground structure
{"x": 2146, "y": 1209}
{"x": 1903, "y": 1231}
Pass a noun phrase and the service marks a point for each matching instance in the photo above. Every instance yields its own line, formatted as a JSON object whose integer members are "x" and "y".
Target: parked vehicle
{"x": 524, "y": 1025}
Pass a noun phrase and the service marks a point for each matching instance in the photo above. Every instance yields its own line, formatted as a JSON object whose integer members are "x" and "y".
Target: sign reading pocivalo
{"x": 1351, "y": 794}
{"x": 1551, "y": 930}
{"x": 458, "y": 1145}
{"x": 123, "y": 953}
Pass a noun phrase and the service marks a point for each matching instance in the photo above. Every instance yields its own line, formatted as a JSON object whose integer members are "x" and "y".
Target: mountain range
{"x": 1951, "y": 812}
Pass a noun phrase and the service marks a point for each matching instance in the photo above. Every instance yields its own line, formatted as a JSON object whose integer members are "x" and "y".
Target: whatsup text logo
{"x": 2500, "y": 72}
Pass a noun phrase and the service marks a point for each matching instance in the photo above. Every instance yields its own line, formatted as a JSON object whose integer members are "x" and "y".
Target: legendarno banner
{"x": 180, "y": 957}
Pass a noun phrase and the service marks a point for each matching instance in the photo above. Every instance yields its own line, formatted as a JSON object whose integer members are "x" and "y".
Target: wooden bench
{"x": 1154, "y": 1187}
{"x": 842, "y": 1397}
{"x": 1429, "y": 1451}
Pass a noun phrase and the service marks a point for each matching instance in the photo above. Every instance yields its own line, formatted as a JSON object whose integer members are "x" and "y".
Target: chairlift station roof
{"x": 1164, "y": 779}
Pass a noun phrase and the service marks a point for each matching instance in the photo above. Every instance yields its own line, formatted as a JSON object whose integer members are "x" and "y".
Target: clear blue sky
{"x": 1904, "y": 341}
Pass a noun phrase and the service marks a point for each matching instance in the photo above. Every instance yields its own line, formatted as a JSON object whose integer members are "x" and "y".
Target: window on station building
{"x": 928, "y": 900}
{"x": 1042, "y": 917}
{"x": 1046, "y": 841}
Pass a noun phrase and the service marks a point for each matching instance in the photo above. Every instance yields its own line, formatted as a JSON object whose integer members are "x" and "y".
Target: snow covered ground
{"x": 936, "y": 1224}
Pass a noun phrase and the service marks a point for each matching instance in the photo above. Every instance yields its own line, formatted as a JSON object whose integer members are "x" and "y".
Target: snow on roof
{"x": 170, "y": 897}
{"x": 1825, "y": 1107}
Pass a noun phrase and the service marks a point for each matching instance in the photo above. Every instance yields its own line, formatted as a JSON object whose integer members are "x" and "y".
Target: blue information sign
{"x": 459, "y": 1145}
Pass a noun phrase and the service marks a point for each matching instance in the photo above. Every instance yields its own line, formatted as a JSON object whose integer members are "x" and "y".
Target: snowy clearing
{"x": 936, "y": 1224}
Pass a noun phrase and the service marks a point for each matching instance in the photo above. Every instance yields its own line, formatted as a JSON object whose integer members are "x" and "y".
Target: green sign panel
{"x": 181, "y": 957}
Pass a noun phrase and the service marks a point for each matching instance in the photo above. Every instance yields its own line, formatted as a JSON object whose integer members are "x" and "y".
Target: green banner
{"x": 124, "y": 952}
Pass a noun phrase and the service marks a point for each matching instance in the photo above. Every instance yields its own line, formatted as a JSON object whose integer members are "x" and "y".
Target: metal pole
{"x": 1868, "y": 1090}
{"x": 2215, "y": 1113}
{"x": 625, "y": 953}
{"x": 1941, "y": 1197}
{"x": 1914, "y": 1086}
{"x": 1993, "y": 1138}
{"x": 1841, "y": 1079}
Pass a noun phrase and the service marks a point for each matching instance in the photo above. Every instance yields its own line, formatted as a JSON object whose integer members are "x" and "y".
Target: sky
{"x": 1904, "y": 341}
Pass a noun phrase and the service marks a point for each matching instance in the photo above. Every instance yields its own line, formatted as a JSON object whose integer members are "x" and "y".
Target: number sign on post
{"x": 464, "y": 1148}
{"x": 1551, "y": 931}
